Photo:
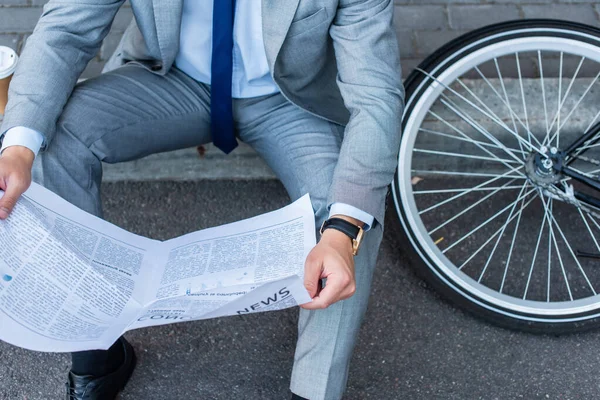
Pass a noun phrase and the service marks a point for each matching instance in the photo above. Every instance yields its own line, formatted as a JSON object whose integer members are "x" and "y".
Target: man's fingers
{"x": 338, "y": 287}
{"x": 15, "y": 176}
{"x": 328, "y": 296}
{"x": 313, "y": 269}
{"x": 11, "y": 195}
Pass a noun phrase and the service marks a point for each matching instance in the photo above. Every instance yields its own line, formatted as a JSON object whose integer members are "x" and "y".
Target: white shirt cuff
{"x": 351, "y": 211}
{"x": 22, "y": 136}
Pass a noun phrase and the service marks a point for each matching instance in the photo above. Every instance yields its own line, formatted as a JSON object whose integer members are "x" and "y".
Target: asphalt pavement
{"x": 413, "y": 345}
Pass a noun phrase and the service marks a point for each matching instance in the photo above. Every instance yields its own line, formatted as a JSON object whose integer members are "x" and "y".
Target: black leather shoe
{"x": 86, "y": 387}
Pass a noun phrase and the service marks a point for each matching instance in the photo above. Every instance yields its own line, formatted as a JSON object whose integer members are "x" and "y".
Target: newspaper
{"x": 70, "y": 281}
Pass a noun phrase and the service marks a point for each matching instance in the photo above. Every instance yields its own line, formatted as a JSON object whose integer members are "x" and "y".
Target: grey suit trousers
{"x": 130, "y": 113}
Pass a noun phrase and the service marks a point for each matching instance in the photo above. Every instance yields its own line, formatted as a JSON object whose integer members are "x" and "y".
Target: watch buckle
{"x": 356, "y": 242}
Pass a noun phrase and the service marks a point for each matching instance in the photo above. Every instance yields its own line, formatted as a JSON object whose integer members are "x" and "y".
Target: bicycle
{"x": 498, "y": 181}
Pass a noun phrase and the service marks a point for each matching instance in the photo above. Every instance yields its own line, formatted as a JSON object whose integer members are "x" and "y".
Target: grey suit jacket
{"x": 337, "y": 59}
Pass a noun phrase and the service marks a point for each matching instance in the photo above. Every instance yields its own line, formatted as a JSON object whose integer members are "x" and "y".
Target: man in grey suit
{"x": 313, "y": 86}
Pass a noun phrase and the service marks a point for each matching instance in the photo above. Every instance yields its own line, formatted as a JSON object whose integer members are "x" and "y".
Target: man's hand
{"x": 15, "y": 176}
{"x": 332, "y": 259}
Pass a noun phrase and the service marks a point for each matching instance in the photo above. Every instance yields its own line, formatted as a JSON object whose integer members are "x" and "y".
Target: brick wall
{"x": 422, "y": 25}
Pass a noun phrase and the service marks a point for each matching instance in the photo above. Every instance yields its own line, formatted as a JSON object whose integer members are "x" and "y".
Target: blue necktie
{"x": 221, "y": 109}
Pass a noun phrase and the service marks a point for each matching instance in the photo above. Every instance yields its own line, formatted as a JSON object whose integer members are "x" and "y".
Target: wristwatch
{"x": 355, "y": 233}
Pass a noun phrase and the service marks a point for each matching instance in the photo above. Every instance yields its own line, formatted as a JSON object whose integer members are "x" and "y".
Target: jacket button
{"x": 156, "y": 67}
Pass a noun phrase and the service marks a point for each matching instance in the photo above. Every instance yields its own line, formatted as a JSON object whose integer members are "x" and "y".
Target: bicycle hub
{"x": 542, "y": 168}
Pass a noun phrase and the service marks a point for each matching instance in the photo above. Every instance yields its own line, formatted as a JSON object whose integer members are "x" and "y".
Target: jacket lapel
{"x": 277, "y": 16}
{"x": 167, "y": 14}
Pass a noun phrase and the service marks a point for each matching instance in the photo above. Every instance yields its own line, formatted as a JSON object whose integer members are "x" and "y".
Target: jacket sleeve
{"x": 66, "y": 37}
{"x": 369, "y": 78}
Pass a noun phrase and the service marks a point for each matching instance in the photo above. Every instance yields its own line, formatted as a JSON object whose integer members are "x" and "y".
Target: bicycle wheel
{"x": 497, "y": 181}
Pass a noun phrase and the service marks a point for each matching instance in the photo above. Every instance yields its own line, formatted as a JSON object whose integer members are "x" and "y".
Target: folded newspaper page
{"x": 70, "y": 281}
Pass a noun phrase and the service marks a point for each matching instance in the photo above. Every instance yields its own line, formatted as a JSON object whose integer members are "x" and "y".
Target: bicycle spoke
{"x": 529, "y": 134}
{"x": 594, "y": 171}
{"x": 469, "y": 174}
{"x": 588, "y": 174}
{"x": 593, "y": 122}
{"x": 575, "y": 107}
{"x": 483, "y": 131}
{"x": 463, "y": 190}
{"x": 507, "y": 102}
{"x": 587, "y": 225}
{"x": 499, "y": 231}
{"x": 482, "y": 247}
{"x": 517, "y": 136}
{"x": 543, "y": 88}
{"x": 508, "y": 220}
{"x": 469, "y": 140}
{"x": 559, "y": 101}
{"x": 535, "y": 252}
{"x": 488, "y": 221}
{"x": 468, "y": 208}
{"x": 560, "y": 231}
{"x": 556, "y": 118}
{"x": 587, "y": 146}
{"x": 458, "y": 155}
{"x": 585, "y": 93}
{"x": 552, "y": 236}
{"x": 492, "y": 112}
{"x": 593, "y": 221}
{"x": 568, "y": 91}
{"x": 512, "y": 246}
{"x": 460, "y": 112}
{"x": 496, "y": 177}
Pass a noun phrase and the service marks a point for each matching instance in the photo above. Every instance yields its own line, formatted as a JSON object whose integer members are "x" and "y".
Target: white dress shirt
{"x": 251, "y": 74}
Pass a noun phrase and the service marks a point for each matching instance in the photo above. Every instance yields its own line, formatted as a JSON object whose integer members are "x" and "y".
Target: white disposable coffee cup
{"x": 8, "y": 64}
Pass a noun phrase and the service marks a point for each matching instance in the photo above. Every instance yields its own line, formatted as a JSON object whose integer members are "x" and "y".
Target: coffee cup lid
{"x": 8, "y": 61}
